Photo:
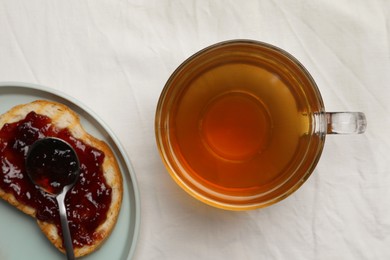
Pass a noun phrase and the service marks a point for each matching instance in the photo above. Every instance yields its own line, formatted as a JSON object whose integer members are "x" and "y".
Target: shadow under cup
{"x": 241, "y": 125}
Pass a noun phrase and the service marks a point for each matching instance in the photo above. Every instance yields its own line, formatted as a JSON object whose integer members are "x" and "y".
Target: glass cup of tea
{"x": 241, "y": 125}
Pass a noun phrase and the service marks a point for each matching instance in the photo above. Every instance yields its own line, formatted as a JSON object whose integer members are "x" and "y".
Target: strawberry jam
{"x": 86, "y": 204}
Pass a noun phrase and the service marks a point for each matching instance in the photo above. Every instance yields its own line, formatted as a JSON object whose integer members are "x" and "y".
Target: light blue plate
{"x": 20, "y": 236}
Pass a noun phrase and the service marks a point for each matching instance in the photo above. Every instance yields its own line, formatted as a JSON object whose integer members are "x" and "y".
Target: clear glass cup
{"x": 241, "y": 125}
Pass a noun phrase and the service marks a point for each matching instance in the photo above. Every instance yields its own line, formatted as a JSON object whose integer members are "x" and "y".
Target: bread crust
{"x": 63, "y": 117}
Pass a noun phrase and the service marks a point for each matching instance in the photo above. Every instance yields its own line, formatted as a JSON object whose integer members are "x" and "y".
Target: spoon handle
{"x": 65, "y": 227}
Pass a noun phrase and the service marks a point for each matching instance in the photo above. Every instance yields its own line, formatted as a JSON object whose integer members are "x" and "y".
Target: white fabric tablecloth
{"x": 115, "y": 57}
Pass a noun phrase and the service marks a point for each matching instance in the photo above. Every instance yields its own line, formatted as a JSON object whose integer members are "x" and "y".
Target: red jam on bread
{"x": 89, "y": 200}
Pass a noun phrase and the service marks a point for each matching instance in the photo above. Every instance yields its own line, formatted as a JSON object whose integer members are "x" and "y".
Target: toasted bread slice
{"x": 63, "y": 117}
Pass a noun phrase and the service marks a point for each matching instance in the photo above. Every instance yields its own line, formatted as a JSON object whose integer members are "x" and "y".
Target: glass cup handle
{"x": 346, "y": 122}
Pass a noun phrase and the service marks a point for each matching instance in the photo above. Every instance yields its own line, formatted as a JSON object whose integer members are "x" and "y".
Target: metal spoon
{"x": 53, "y": 165}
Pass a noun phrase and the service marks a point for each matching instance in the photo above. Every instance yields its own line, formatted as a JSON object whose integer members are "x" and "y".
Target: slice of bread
{"x": 64, "y": 118}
